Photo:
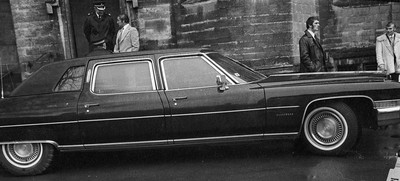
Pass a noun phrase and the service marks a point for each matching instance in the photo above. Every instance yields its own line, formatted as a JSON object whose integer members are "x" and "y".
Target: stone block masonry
{"x": 258, "y": 33}
{"x": 8, "y": 49}
{"x": 36, "y": 32}
{"x": 349, "y": 30}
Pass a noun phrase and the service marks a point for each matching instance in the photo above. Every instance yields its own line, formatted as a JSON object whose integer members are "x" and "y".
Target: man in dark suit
{"x": 99, "y": 27}
{"x": 312, "y": 56}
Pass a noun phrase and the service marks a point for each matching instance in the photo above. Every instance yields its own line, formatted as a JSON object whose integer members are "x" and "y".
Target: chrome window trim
{"x": 88, "y": 75}
{"x": 222, "y": 69}
{"x": 282, "y": 107}
{"x": 226, "y": 73}
{"x": 204, "y": 87}
{"x": 202, "y": 56}
{"x": 171, "y": 56}
{"x": 329, "y": 98}
{"x": 218, "y": 112}
{"x": 39, "y": 124}
{"x": 123, "y": 93}
{"x": 124, "y": 61}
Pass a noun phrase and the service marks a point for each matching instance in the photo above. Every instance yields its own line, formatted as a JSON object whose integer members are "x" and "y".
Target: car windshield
{"x": 237, "y": 70}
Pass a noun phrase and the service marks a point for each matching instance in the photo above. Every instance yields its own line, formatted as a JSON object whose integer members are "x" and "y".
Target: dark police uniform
{"x": 98, "y": 30}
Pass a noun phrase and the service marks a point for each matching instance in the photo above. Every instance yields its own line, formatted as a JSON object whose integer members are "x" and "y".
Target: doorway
{"x": 79, "y": 11}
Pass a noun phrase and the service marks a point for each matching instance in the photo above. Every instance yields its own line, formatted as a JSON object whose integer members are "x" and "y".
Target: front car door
{"x": 202, "y": 113}
{"x": 120, "y": 105}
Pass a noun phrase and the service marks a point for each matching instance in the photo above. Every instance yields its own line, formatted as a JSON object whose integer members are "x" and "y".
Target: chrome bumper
{"x": 388, "y": 116}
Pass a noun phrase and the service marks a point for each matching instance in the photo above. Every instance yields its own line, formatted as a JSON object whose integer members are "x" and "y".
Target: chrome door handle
{"x": 91, "y": 105}
{"x": 179, "y": 98}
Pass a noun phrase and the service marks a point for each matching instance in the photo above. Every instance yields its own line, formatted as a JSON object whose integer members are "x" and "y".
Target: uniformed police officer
{"x": 99, "y": 28}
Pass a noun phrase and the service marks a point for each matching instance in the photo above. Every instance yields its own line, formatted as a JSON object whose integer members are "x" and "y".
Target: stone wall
{"x": 8, "y": 49}
{"x": 257, "y": 32}
{"x": 349, "y": 29}
{"x": 155, "y": 26}
{"x": 301, "y": 10}
{"x": 263, "y": 34}
{"x": 37, "y": 33}
{"x": 7, "y": 36}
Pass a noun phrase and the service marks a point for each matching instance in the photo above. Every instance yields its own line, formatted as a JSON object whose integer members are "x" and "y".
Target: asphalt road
{"x": 272, "y": 160}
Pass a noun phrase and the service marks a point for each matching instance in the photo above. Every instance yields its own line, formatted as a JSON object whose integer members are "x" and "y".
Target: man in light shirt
{"x": 312, "y": 56}
{"x": 388, "y": 52}
{"x": 127, "y": 37}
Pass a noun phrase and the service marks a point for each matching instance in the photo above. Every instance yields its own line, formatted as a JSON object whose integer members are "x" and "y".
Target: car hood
{"x": 322, "y": 78}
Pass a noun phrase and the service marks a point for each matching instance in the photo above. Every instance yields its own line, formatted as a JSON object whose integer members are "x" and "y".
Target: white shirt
{"x": 312, "y": 33}
{"x": 124, "y": 28}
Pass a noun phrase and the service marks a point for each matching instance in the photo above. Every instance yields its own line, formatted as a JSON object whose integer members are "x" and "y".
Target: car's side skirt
{"x": 178, "y": 142}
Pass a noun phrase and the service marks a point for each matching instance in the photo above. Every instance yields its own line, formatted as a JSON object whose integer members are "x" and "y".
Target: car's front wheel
{"x": 331, "y": 130}
{"x": 26, "y": 158}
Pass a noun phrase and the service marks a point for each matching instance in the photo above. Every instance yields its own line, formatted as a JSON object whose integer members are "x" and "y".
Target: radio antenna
{"x": 1, "y": 75}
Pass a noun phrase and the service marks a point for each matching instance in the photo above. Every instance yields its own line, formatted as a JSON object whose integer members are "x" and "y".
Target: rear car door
{"x": 200, "y": 110}
{"x": 120, "y": 104}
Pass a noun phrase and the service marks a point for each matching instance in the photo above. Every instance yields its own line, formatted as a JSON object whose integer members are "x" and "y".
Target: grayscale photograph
{"x": 122, "y": 90}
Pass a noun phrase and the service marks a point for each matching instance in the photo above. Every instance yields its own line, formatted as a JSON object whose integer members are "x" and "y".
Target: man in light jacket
{"x": 388, "y": 52}
{"x": 127, "y": 37}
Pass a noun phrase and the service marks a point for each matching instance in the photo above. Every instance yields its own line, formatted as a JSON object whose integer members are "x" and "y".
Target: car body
{"x": 181, "y": 97}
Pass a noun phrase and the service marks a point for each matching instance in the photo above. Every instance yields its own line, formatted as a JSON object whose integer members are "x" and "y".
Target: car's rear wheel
{"x": 331, "y": 130}
{"x": 26, "y": 158}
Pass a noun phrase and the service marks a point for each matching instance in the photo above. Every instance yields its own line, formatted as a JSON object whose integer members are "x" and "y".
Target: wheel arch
{"x": 366, "y": 120}
{"x": 53, "y": 143}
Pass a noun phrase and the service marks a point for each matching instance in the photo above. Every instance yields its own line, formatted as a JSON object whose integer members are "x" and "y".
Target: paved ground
{"x": 273, "y": 160}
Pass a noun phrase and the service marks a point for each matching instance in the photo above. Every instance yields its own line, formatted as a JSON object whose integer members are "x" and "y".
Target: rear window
{"x": 71, "y": 80}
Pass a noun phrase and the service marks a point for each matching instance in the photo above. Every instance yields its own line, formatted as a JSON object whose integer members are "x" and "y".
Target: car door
{"x": 199, "y": 110}
{"x": 120, "y": 104}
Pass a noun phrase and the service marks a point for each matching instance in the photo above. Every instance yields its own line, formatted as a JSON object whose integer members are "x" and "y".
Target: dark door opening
{"x": 79, "y": 11}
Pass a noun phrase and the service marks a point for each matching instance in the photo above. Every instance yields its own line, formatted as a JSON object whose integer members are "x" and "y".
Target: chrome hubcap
{"x": 326, "y": 128}
{"x": 23, "y": 150}
{"x": 23, "y": 155}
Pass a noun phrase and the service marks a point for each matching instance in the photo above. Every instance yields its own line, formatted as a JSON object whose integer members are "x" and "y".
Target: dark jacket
{"x": 98, "y": 51}
{"x": 312, "y": 56}
{"x": 97, "y": 29}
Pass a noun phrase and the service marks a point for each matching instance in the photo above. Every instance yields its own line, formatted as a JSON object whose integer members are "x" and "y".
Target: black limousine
{"x": 182, "y": 97}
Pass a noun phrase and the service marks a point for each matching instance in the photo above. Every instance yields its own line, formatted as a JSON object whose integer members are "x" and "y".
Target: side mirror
{"x": 222, "y": 83}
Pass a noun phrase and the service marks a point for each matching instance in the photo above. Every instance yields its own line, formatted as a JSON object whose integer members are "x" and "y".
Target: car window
{"x": 188, "y": 72}
{"x": 123, "y": 77}
{"x": 71, "y": 80}
{"x": 235, "y": 69}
